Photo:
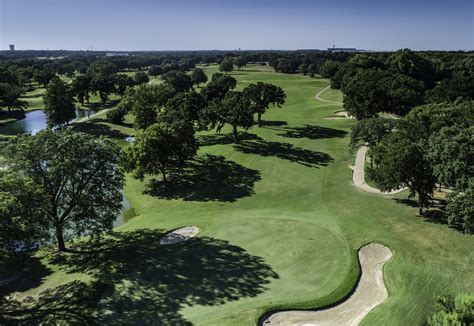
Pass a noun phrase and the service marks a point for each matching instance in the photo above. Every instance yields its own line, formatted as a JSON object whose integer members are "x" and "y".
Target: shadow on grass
{"x": 96, "y": 106}
{"x": 208, "y": 178}
{"x": 435, "y": 214}
{"x": 97, "y": 127}
{"x": 21, "y": 274}
{"x": 223, "y": 139}
{"x": 137, "y": 281}
{"x": 284, "y": 151}
{"x": 313, "y": 132}
{"x": 273, "y": 123}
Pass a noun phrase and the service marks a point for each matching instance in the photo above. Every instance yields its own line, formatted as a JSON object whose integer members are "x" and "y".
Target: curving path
{"x": 318, "y": 96}
{"x": 370, "y": 291}
{"x": 180, "y": 235}
{"x": 358, "y": 175}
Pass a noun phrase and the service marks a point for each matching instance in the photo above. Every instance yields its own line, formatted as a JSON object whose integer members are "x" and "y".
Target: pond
{"x": 127, "y": 213}
{"x": 34, "y": 121}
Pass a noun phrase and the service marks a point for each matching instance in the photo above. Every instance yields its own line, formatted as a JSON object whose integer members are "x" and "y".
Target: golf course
{"x": 280, "y": 225}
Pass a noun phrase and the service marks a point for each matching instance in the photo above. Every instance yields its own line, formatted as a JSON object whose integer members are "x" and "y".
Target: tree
{"x": 59, "y": 103}
{"x": 102, "y": 69}
{"x": 43, "y": 76}
{"x": 198, "y": 76}
{"x": 451, "y": 151}
{"x": 226, "y": 65}
{"x": 147, "y": 102}
{"x": 414, "y": 65}
{"x": 261, "y": 95}
{"x": 77, "y": 177}
{"x": 455, "y": 311}
{"x": 179, "y": 80}
{"x": 371, "y": 131}
{"x": 81, "y": 86}
{"x": 362, "y": 97}
{"x": 10, "y": 97}
{"x": 460, "y": 210}
{"x": 155, "y": 70}
{"x": 449, "y": 89}
{"x": 21, "y": 212}
{"x": 218, "y": 87}
{"x": 312, "y": 69}
{"x": 303, "y": 68}
{"x": 157, "y": 149}
{"x": 329, "y": 68}
{"x": 122, "y": 82}
{"x": 234, "y": 109}
{"x": 401, "y": 162}
{"x": 239, "y": 62}
{"x": 141, "y": 77}
{"x": 104, "y": 85}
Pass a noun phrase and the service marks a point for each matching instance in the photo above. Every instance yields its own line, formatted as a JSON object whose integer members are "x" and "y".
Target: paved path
{"x": 369, "y": 293}
{"x": 318, "y": 96}
{"x": 179, "y": 235}
{"x": 358, "y": 175}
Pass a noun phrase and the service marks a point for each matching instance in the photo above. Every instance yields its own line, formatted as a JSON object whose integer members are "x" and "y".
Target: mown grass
{"x": 283, "y": 205}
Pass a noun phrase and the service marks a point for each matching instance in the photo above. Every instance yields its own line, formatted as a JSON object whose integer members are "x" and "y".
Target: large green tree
{"x": 261, "y": 96}
{"x": 77, "y": 176}
{"x": 226, "y": 65}
{"x": 401, "y": 162}
{"x": 21, "y": 213}
{"x": 59, "y": 104}
{"x": 156, "y": 150}
{"x": 234, "y": 109}
{"x": 10, "y": 97}
{"x": 81, "y": 86}
{"x": 198, "y": 76}
{"x": 179, "y": 80}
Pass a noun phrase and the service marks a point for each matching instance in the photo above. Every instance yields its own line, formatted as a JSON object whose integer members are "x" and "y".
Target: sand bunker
{"x": 179, "y": 235}
{"x": 370, "y": 291}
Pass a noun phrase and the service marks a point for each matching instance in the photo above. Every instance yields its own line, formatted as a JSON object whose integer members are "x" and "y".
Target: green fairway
{"x": 280, "y": 224}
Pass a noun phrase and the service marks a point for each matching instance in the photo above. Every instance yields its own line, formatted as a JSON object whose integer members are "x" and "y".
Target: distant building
{"x": 116, "y": 54}
{"x": 334, "y": 49}
{"x": 12, "y": 47}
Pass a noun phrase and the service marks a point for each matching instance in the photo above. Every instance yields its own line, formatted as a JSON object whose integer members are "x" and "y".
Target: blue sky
{"x": 233, "y": 24}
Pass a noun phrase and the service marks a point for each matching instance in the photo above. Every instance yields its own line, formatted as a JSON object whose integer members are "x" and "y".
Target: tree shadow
{"x": 273, "y": 123}
{"x": 21, "y": 273}
{"x": 313, "y": 132}
{"x": 223, "y": 139}
{"x": 208, "y": 178}
{"x": 284, "y": 151}
{"x": 97, "y": 127}
{"x": 137, "y": 281}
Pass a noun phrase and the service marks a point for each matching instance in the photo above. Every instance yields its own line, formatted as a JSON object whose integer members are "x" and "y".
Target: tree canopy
{"x": 75, "y": 181}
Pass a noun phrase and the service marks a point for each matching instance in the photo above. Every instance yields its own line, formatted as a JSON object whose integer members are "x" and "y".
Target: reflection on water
{"x": 127, "y": 213}
{"x": 34, "y": 122}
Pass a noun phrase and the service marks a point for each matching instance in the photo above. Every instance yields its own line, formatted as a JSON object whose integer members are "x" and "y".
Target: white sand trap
{"x": 179, "y": 235}
{"x": 358, "y": 175}
{"x": 369, "y": 293}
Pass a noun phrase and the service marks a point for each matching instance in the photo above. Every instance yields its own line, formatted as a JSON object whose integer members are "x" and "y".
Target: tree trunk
{"x": 420, "y": 210}
{"x": 60, "y": 238}
{"x": 259, "y": 117}
{"x": 164, "y": 176}
{"x": 236, "y": 135}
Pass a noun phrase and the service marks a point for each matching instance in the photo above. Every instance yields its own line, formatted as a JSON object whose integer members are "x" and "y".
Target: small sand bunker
{"x": 179, "y": 235}
{"x": 370, "y": 291}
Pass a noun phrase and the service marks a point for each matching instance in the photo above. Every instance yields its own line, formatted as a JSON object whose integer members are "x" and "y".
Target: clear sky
{"x": 233, "y": 24}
